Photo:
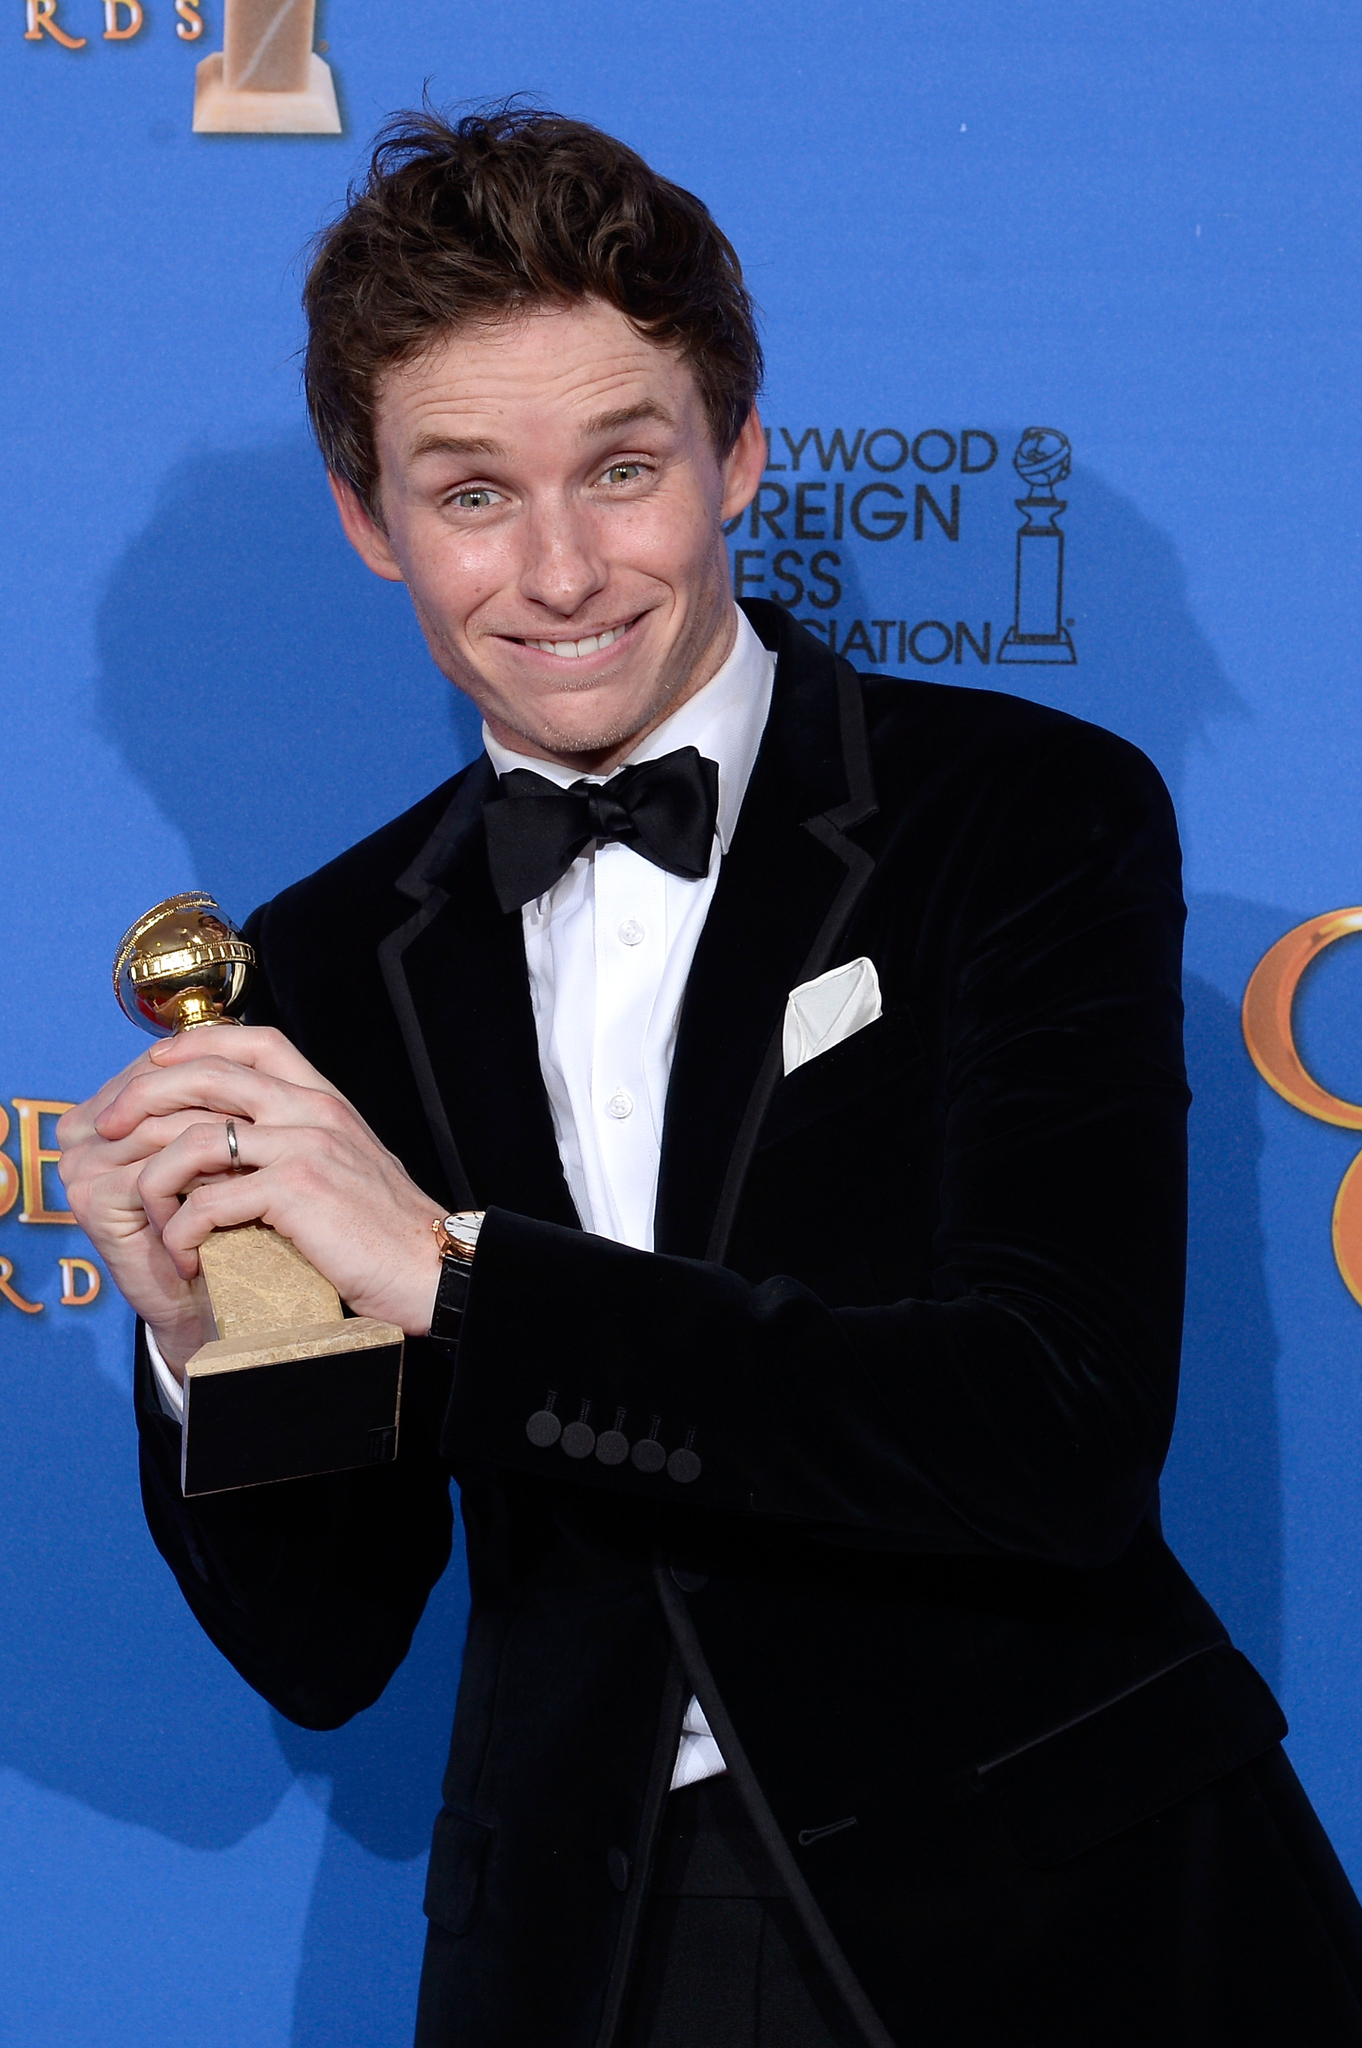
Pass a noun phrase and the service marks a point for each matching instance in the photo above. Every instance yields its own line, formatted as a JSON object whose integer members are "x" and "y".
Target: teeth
{"x": 569, "y": 650}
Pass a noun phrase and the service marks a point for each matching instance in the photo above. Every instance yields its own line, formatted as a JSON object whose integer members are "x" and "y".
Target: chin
{"x": 595, "y": 739}
{"x": 597, "y": 726}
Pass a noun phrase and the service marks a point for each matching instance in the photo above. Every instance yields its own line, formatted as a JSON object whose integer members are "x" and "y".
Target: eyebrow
{"x": 454, "y": 444}
{"x": 628, "y": 416}
{"x": 600, "y": 423}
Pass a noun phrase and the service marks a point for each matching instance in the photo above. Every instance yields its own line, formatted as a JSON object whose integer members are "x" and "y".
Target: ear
{"x": 743, "y": 466}
{"x": 363, "y": 531}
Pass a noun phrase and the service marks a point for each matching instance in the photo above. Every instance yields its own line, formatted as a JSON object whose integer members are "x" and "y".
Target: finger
{"x": 245, "y": 1045}
{"x": 144, "y": 1141}
{"x": 123, "y": 1214}
{"x": 218, "y": 1204}
{"x": 144, "y": 1270}
{"x": 202, "y": 1155}
{"x": 78, "y": 1123}
{"x": 215, "y": 1084}
{"x": 200, "y": 1152}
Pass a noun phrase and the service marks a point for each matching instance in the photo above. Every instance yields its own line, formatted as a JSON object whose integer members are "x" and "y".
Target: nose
{"x": 562, "y": 568}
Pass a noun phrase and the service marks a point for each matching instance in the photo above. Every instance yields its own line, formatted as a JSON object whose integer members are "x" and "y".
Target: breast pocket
{"x": 458, "y": 1852}
{"x": 872, "y": 1061}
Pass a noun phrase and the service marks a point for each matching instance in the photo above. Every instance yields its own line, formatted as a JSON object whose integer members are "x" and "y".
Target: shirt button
{"x": 632, "y": 932}
{"x": 620, "y": 1105}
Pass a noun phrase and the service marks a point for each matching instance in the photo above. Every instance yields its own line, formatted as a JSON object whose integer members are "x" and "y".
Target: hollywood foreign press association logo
{"x": 815, "y": 501}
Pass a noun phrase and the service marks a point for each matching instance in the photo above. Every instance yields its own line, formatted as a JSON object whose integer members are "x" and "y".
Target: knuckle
{"x": 335, "y": 1114}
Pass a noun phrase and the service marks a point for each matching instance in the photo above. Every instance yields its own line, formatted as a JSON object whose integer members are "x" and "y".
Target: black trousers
{"x": 1223, "y": 1923}
{"x": 723, "y": 1961}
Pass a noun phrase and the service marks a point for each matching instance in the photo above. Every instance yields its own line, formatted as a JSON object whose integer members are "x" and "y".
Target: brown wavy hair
{"x": 506, "y": 209}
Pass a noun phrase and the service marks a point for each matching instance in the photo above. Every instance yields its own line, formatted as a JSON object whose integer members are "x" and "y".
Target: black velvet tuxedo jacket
{"x": 915, "y": 1309}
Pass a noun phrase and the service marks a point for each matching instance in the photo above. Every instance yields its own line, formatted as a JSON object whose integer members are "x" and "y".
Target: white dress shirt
{"x": 609, "y": 950}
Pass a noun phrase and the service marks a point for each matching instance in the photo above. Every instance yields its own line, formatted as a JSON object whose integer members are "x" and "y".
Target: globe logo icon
{"x": 1043, "y": 458}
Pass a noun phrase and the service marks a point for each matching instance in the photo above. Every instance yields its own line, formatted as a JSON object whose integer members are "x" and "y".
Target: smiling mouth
{"x": 592, "y": 643}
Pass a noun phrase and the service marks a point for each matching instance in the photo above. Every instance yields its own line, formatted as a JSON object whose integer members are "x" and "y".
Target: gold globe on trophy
{"x": 286, "y": 1385}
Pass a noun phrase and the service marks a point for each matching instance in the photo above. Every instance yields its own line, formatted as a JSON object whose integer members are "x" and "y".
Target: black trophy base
{"x": 1056, "y": 648}
{"x": 331, "y": 1405}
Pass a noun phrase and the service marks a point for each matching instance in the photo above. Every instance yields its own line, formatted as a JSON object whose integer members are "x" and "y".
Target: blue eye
{"x": 472, "y": 501}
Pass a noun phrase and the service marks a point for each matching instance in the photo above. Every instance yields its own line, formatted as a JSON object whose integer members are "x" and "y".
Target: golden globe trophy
{"x": 286, "y": 1384}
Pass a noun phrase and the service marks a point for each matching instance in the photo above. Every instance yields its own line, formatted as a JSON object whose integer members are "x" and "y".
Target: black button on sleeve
{"x": 612, "y": 1445}
{"x": 579, "y": 1438}
{"x": 543, "y": 1429}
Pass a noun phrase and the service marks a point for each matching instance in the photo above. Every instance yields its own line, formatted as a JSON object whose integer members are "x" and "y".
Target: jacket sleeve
{"x": 1022, "y": 1402}
{"x": 311, "y": 1588}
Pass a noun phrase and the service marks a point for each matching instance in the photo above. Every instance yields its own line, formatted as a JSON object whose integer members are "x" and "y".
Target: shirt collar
{"x": 724, "y": 720}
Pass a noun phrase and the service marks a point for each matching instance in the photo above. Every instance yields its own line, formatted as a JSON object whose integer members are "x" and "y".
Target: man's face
{"x": 552, "y": 498}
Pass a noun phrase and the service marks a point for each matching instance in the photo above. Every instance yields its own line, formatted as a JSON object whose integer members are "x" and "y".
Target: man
{"x": 811, "y": 1043}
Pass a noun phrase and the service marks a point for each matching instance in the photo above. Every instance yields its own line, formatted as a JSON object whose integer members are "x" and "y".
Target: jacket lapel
{"x": 786, "y": 892}
{"x": 456, "y": 976}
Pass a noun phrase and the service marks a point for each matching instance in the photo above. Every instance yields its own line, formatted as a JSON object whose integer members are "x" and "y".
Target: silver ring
{"x": 232, "y": 1145}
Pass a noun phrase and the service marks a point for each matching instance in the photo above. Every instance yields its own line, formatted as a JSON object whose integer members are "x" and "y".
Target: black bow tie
{"x": 664, "y": 809}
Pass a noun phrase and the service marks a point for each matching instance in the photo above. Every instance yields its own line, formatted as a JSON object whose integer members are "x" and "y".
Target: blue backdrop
{"x": 1137, "y": 226}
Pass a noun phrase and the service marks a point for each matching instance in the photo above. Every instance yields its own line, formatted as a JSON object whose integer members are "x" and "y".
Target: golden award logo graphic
{"x": 267, "y": 79}
{"x": 35, "y": 1178}
{"x": 1268, "y": 1034}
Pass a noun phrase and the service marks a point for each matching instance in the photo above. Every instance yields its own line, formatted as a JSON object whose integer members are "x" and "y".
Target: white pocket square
{"x": 820, "y": 1014}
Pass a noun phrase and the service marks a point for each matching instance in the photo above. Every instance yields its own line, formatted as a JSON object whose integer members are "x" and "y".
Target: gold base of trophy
{"x": 288, "y": 1387}
{"x": 218, "y": 111}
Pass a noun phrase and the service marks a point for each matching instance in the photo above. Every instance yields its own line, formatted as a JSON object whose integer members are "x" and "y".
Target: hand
{"x": 100, "y": 1178}
{"x": 316, "y": 1173}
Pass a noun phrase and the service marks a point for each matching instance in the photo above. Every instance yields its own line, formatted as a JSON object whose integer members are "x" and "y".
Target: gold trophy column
{"x": 267, "y": 79}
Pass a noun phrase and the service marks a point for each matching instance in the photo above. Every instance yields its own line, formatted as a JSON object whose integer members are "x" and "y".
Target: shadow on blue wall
{"x": 274, "y": 697}
{"x": 1144, "y": 666}
{"x": 278, "y": 703}
{"x": 111, "y": 1696}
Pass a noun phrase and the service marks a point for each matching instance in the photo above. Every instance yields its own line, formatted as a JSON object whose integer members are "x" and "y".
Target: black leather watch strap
{"x": 451, "y": 1294}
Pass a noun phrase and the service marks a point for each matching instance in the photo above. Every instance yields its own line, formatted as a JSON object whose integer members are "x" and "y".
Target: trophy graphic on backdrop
{"x": 286, "y": 1384}
{"x": 266, "y": 79}
{"x": 1038, "y": 632}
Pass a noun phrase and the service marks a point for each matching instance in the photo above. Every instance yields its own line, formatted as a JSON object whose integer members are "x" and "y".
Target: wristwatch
{"x": 457, "y": 1237}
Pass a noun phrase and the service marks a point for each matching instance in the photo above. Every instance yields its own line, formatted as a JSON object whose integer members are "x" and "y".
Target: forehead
{"x": 556, "y": 370}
